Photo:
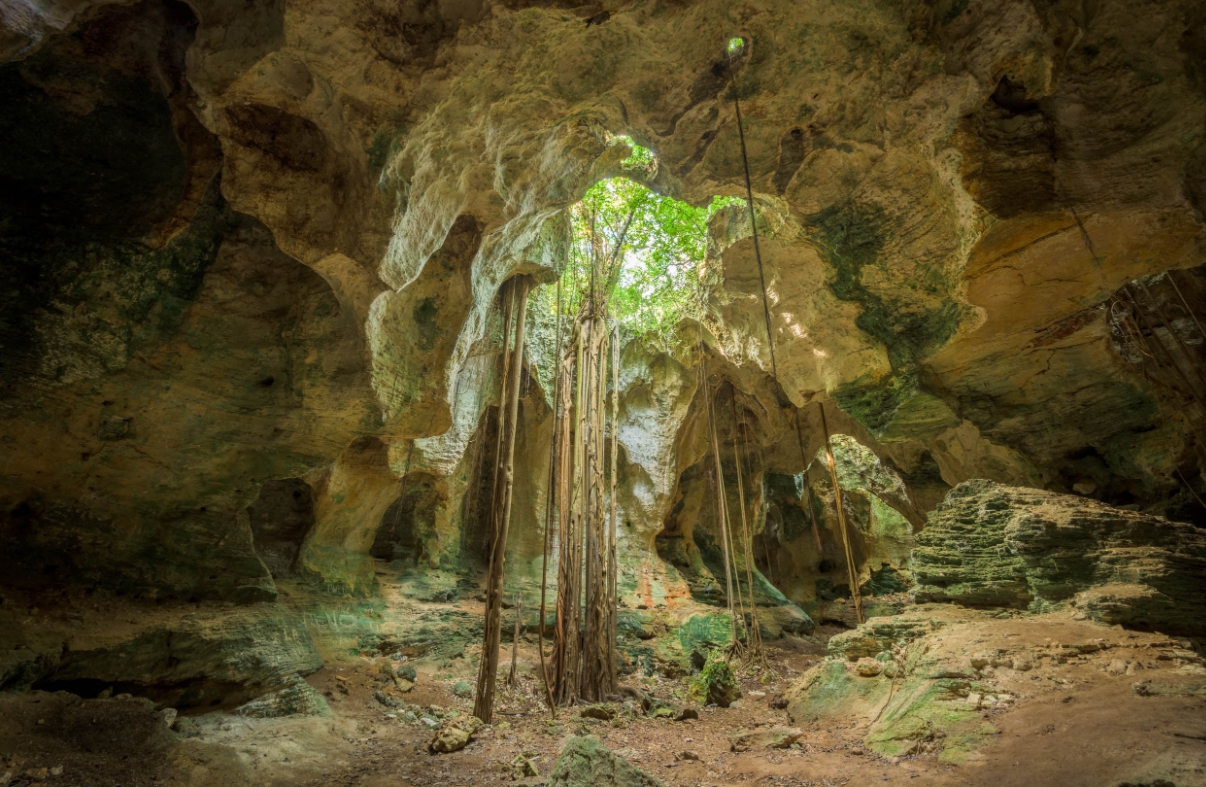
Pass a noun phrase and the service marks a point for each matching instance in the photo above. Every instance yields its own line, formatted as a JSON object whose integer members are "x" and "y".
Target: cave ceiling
{"x": 247, "y": 242}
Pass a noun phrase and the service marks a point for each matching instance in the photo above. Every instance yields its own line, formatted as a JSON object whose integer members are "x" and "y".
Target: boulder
{"x": 880, "y": 634}
{"x": 454, "y": 735}
{"x": 603, "y": 712}
{"x": 585, "y": 762}
{"x": 716, "y": 684}
{"x": 989, "y": 545}
{"x": 523, "y": 768}
{"x": 924, "y": 711}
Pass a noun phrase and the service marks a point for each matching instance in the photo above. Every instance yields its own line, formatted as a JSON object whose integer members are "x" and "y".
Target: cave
{"x": 677, "y": 392}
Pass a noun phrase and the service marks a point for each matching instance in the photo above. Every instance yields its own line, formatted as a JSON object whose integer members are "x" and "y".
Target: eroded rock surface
{"x": 585, "y": 762}
{"x": 990, "y": 545}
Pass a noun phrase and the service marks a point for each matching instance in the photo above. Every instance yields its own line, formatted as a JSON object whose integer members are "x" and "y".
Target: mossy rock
{"x": 922, "y": 710}
{"x": 603, "y": 711}
{"x": 295, "y": 697}
{"x": 634, "y": 624}
{"x": 716, "y": 684}
{"x": 699, "y": 635}
{"x": 880, "y": 634}
{"x": 989, "y": 545}
{"x": 585, "y": 762}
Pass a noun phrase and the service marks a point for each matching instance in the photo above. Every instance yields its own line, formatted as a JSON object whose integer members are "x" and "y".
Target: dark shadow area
{"x": 281, "y": 517}
{"x": 408, "y": 527}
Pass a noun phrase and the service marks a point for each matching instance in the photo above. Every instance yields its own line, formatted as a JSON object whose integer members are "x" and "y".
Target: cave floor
{"x": 1073, "y": 721}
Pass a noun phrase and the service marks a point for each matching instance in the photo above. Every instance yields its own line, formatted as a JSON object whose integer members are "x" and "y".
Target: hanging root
{"x": 483, "y": 705}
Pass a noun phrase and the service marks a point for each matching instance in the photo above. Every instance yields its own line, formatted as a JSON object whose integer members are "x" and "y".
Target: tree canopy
{"x": 639, "y": 250}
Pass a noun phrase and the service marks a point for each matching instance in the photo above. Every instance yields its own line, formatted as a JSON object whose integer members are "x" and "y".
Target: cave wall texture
{"x": 250, "y": 257}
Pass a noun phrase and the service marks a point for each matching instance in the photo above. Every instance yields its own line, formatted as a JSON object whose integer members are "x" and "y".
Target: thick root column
{"x": 500, "y": 510}
{"x": 584, "y": 648}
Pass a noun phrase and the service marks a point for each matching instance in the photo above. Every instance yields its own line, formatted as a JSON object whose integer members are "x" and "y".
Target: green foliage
{"x": 641, "y": 158}
{"x": 640, "y": 252}
{"x": 735, "y": 45}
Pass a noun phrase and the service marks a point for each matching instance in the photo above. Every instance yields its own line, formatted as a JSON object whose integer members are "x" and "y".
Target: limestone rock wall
{"x": 244, "y": 244}
{"x": 996, "y": 546}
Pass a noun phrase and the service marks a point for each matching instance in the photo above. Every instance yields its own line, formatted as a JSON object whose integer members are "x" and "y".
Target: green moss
{"x": 852, "y": 236}
{"x": 715, "y": 684}
{"x": 925, "y": 708}
{"x": 701, "y": 634}
{"x": 886, "y": 580}
{"x": 829, "y": 688}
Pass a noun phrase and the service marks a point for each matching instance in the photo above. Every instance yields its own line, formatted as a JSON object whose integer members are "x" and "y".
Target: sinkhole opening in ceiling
{"x": 636, "y": 253}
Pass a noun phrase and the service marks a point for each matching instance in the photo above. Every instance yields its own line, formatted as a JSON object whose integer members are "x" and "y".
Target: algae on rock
{"x": 715, "y": 684}
{"x": 585, "y": 762}
{"x": 991, "y": 545}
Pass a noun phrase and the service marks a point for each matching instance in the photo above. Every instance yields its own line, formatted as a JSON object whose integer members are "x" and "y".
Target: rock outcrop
{"x": 220, "y": 658}
{"x": 585, "y": 762}
{"x": 250, "y": 256}
{"x": 990, "y": 545}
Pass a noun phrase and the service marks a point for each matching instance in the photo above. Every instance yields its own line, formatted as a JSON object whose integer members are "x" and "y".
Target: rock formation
{"x": 993, "y": 546}
{"x": 250, "y": 351}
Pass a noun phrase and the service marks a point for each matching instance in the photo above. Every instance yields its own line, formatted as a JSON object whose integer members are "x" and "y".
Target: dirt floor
{"x": 1073, "y": 718}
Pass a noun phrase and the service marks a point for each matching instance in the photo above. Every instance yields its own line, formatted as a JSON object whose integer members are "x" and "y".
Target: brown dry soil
{"x": 1075, "y": 721}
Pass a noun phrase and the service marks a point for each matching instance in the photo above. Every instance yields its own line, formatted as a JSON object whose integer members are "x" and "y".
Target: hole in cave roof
{"x": 664, "y": 241}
